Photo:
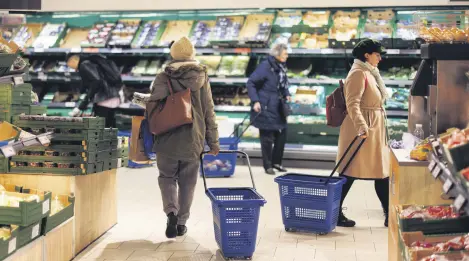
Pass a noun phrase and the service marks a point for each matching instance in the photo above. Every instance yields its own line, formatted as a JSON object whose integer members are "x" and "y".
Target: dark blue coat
{"x": 263, "y": 87}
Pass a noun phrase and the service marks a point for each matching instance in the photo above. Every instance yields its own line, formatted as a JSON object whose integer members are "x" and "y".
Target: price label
{"x": 119, "y": 162}
{"x": 45, "y": 206}
{"x": 38, "y": 50}
{"x": 8, "y": 151}
{"x": 35, "y": 232}
{"x": 67, "y": 73}
{"x": 393, "y": 51}
{"x": 91, "y": 50}
{"x": 166, "y": 50}
{"x": 447, "y": 186}
{"x": 116, "y": 50}
{"x": 41, "y": 76}
{"x": 459, "y": 202}
{"x": 70, "y": 104}
{"x": 75, "y": 50}
{"x": 18, "y": 80}
{"x": 327, "y": 51}
{"x": 43, "y": 140}
{"x": 67, "y": 79}
{"x": 436, "y": 172}
{"x": 432, "y": 165}
{"x": 12, "y": 246}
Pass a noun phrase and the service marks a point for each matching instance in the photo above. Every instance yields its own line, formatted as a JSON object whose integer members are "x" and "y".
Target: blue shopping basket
{"x": 224, "y": 165}
{"x": 312, "y": 203}
{"x": 235, "y": 215}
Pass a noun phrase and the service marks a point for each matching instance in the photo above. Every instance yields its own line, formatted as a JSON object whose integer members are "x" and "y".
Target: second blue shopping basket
{"x": 312, "y": 203}
{"x": 224, "y": 165}
{"x": 235, "y": 215}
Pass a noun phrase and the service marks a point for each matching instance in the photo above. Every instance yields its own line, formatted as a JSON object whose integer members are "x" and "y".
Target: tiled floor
{"x": 139, "y": 236}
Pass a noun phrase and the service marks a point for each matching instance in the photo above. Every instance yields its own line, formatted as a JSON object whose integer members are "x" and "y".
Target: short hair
{"x": 74, "y": 57}
{"x": 277, "y": 49}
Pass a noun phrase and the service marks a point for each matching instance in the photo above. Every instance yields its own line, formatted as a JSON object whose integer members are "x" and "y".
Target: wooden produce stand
{"x": 95, "y": 205}
{"x": 410, "y": 182}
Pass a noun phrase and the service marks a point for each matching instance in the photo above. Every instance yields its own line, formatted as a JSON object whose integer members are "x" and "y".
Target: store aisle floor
{"x": 139, "y": 236}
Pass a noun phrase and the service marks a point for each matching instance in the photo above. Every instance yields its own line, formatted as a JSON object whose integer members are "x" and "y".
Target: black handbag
{"x": 285, "y": 108}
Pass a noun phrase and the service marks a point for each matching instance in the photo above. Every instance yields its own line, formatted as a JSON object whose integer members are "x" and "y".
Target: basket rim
{"x": 334, "y": 181}
{"x": 260, "y": 200}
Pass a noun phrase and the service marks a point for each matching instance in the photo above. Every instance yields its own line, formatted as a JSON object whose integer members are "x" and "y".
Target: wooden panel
{"x": 95, "y": 207}
{"x": 63, "y": 185}
{"x": 33, "y": 251}
{"x": 59, "y": 243}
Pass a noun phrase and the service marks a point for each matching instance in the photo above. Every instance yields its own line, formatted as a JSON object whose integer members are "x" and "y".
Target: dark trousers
{"x": 273, "y": 146}
{"x": 381, "y": 188}
{"x": 108, "y": 113}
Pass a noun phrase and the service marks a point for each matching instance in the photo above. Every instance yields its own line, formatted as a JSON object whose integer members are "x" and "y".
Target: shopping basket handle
{"x": 343, "y": 157}
{"x": 226, "y": 152}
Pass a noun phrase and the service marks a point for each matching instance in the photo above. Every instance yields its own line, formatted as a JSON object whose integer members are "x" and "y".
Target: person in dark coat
{"x": 267, "y": 85}
{"x": 102, "y": 82}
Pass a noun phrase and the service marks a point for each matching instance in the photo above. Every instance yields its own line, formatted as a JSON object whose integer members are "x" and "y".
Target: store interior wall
{"x": 120, "y": 5}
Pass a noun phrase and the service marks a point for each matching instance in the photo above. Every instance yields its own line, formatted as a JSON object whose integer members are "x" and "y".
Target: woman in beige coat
{"x": 365, "y": 94}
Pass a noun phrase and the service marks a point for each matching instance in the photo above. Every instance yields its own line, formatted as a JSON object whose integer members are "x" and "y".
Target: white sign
{"x": 45, "y": 206}
{"x": 12, "y": 246}
{"x": 35, "y": 232}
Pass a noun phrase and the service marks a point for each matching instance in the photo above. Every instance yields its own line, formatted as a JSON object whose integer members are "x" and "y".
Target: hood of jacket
{"x": 190, "y": 74}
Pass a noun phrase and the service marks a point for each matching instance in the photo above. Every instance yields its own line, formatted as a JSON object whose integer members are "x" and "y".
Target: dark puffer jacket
{"x": 263, "y": 87}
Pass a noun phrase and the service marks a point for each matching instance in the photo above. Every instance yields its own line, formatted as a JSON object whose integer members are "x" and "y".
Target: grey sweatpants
{"x": 177, "y": 182}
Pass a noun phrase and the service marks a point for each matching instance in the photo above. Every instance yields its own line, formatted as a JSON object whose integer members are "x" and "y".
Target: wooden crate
{"x": 95, "y": 200}
{"x": 410, "y": 183}
{"x": 58, "y": 243}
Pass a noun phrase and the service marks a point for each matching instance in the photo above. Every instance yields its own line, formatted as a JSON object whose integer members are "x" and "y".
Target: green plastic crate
{"x": 10, "y": 245}
{"x": 3, "y": 164}
{"x": 82, "y": 169}
{"x": 29, "y": 233}
{"x": 121, "y": 153}
{"x": 84, "y": 157}
{"x": 19, "y": 109}
{"x": 6, "y": 62}
{"x": 37, "y": 110}
{"x": 27, "y": 213}
{"x": 123, "y": 162}
{"x": 61, "y": 134}
{"x": 60, "y": 217}
{"x": 83, "y": 123}
{"x": 19, "y": 95}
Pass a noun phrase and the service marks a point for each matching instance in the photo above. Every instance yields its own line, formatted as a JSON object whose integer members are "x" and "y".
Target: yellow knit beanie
{"x": 183, "y": 50}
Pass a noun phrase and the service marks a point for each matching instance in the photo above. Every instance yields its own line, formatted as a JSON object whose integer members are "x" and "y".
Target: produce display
{"x": 49, "y": 36}
{"x": 5, "y": 231}
{"x": 345, "y": 26}
{"x": 436, "y": 34}
{"x": 314, "y": 41}
{"x": 398, "y": 99}
{"x": 446, "y": 258}
{"x": 201, "y": 33}
{"x": 26, "y": 34}
{"x": 288, "y": 19}
{"x": 399, "y": 73}
{"x": 99, "y": 35}
{"x": 257, "y": 28}
{"x": 218, "y": 165}
{"x": 308, "y": 95}
{"x": 227, "y": 29}
{"x": 148, "y": 35}
{"x": 123, "y": 33}
{"x": 174, "y": 31}
{"x": 283, "y": 38}
{"x": 212, "y": 62}
{"x": 146, "y": 67}
{"x": 316, "y": 18}
{"x": 430, "y": 212}
{"x": 406, "y": 29}
{"x": 421, "y": 151}
{"x": 379, "y": 25}
{"x": 13, "y": 199}
{"x": 456, "y": 138}
{"x": 233, "y": 65}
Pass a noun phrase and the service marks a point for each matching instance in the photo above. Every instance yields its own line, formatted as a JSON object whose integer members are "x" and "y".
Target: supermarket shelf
{"x": 214, "y": 51}
{"x": 454, "y": 185}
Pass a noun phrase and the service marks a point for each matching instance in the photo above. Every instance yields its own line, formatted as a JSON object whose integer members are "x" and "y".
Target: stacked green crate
{"x": 14, "y": 100}
{"x": 123, "y": 151}
{"x": 79, "y": 146}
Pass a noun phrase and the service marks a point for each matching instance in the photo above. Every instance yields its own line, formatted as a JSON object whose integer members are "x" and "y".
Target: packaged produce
{"x": 457, "y": 138}
{"x": 148, "y": 35}
{"x": 212, "y": 62}
{"x": 257, "y": 28}
{"x": 316, "y": 19}
{"x": 314, "y": 41}
{"x": 379, "y": 25}
{"x": 140, "y": 67}
{"x": 13, "y": 199}
{"x": 288, "y": 19}
{"x": 49, "y": 36}
{"x": 420, "y": 152}
{"x": 233, "y": 65}
{"x": 124, "y": 32}
{"x": 99, "y": 35}
{"x": 444, "y": 34}
{"x": 175, "y": 30}
{"x": 26, "y": 34}
{"x": 227, "y": 29}
{"x": 345, "y": 26}
{"x": 430, "y": 212}
{"x": 201, "y": 33}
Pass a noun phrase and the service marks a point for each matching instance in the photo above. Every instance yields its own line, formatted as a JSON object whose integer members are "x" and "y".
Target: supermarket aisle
{"x": 139, "y": 236}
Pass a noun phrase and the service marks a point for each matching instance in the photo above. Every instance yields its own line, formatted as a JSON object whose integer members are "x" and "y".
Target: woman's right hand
{"x": 257, "y": 107}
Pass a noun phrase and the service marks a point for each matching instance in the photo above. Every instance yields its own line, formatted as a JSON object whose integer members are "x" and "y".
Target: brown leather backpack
{"x": 336, "y": 106}
{"x": 170, "y": 113}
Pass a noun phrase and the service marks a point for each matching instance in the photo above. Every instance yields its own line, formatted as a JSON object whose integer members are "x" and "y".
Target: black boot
{"x": 182, "y": 230}
{"x": 344, "y": 222}
{"x": 171, "y": 226}
{"x": 386, "y": 216}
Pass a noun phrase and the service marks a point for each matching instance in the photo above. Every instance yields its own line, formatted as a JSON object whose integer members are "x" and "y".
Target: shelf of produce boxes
{"x": 10, "y": 149}
{"x": 454, "y": 185}
{"x": 215, "y": 51}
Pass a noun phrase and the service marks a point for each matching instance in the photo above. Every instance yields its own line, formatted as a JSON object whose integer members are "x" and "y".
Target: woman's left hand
{"x": 288, "y": 98}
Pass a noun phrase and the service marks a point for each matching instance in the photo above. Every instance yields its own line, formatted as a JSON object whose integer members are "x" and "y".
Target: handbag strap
{"x": 170, "y": 87}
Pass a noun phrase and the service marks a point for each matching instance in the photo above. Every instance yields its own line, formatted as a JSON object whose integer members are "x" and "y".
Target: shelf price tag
{"x": 18, "y": 80}
{"x": 41, "y": 76}
{"x": 436, "y": 171}
{"x": 70, "y": 104}
{"x": 116, "y": 50}
{"x": 8, "y": 151}
{"x": 38, "y": 50}
{"x": 45, "y": 206}
{"x": 393, "y": 51}
{"x": 43, "y": 140}
{"x": 166, "y": 50}
{"x": 447, "y": 186}
{"x": 75, "y": 50}
{"x": 327, "y": 51}
{"x": 35, "y": 232}
{"x": 12, "y": 246}
{"x": 459, "y": 202}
